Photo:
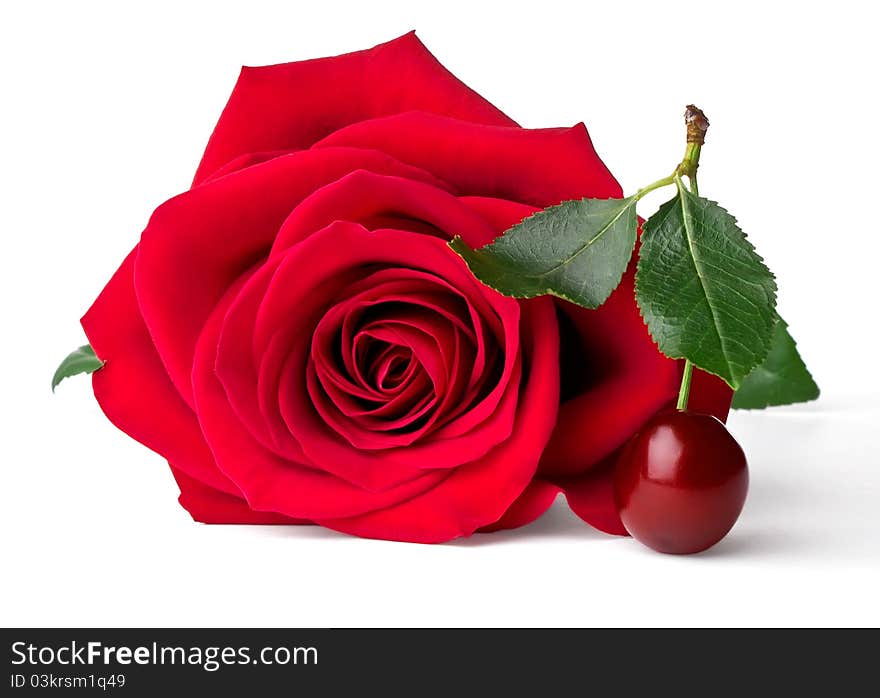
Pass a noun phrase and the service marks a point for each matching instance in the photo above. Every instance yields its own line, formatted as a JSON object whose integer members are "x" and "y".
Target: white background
{"x": 104, "y": 112}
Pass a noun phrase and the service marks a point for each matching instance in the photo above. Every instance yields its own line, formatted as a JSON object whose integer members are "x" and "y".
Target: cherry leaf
{"x": 577, "y": 250}
{"x": 782, "y": 379}
{"x": 704, "y": 293}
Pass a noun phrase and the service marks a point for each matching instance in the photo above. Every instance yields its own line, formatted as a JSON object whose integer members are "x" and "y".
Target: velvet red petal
{"x": 479, "y": 493}
{"x": 591, "y": 496}
{"x": 207, "y": 505}
{"x": 347, "y": 245}
{"x": 627, "y": 381}
{"x": 529, "y": 506}
{"x": 267, "y": 481}
{"x": 534, "y": 166}
{"x": 293, "y": 105}
{"x": 198, "y": 243}
{"x": 133, "y": 388}
{"x": 245, "y": 375}
{"x": 710, "y": 395}
{"x": 364, "y": 195}
{"x": 246, "y": 160}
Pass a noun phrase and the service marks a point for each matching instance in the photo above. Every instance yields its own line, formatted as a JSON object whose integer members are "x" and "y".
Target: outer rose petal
{"x": 244, "y": 161}
{"x": 293, "y": 105}
{"x": 133, "y": 388}
{"x": 530, "y": 505}
{"x": 363, "y": 196}
{"x": 533, "y": 166}
{"x": 591, "y": 496}
{"x": 710, "y": 395}
{"x": 207, "y": 505}
{"x": 627, "y": 380}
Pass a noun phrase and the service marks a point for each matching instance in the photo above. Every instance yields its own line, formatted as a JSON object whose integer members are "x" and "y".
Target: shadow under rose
{"x": 558, "y": 523}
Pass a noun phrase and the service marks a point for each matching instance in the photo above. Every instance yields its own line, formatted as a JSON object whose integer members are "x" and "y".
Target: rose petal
{"x": 208, "y": 505}
{"x": 591, "y": 497}
{"x": 366, "y": 196}
{"x": 237, "y": 368}
{"x": 133, "y": 388}
{"x": 267, "y": 481}
{"x": 292, "y": 105}
{"x": 534, "y": 166}
{"x": 528, "y": 507}
{"x": 246, "y": 160}
{"x": 390, "y": 370}
{"x": 472, "y": 314}
{"x": 352, "y": 420}
{"x": 351, "y": 246}
{"x": 709, "y": 395}
{"x": 479, "y": 493}
{"x": 226, "y": 226}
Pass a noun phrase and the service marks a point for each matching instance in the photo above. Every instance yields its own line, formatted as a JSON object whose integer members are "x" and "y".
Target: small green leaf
{"x": 577, "y": 250}
{"x": 704, "y": 292}
{"x": 782, "y": 379}
{"x": 83, "y": 360}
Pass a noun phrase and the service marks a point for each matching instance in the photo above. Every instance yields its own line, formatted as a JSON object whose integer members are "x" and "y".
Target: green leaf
{"x": 577, "y": 250}
{"x": 83, "y": 360}
{"x": 704, "y": 292}
{"x": 782, "y": 379}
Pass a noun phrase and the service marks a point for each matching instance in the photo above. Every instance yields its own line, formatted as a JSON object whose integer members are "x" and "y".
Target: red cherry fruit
{"x": 681, "y": 482}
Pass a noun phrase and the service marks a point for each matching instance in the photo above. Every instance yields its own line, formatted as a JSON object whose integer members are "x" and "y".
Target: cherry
{"x": 681, "y": 482}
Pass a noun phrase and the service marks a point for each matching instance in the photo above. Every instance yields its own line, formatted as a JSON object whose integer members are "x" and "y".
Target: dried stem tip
{"x": 697, "y": 124}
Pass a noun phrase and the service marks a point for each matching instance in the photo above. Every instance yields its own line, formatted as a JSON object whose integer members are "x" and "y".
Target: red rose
{"x": 294, "y": 335}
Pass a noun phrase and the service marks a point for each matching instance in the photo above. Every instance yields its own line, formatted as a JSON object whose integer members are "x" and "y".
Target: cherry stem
{"x": 697, "y": 125}
{"x": 685, "y": 390}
